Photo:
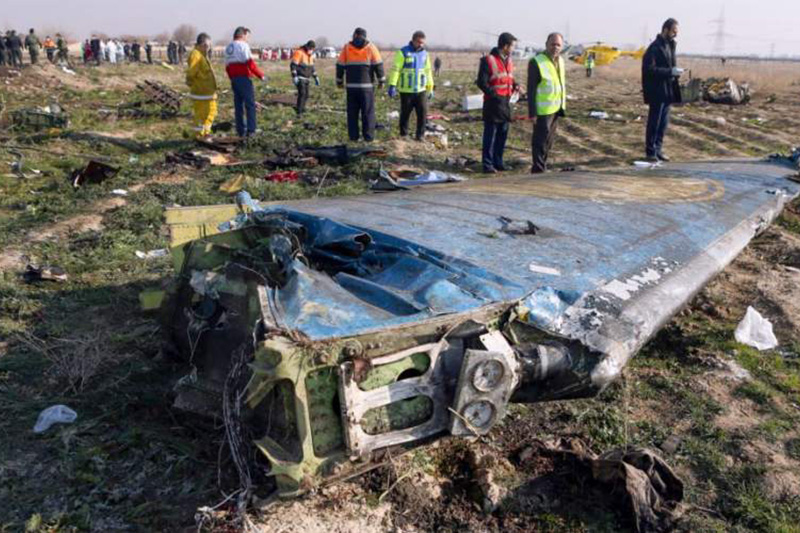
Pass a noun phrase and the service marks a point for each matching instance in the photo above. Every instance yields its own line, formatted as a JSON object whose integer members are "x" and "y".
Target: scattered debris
{"x": 438, "y": 116}
{"x": 756, "y": 331}
{"x": 726, "y": 91}
{"x": 650, "y": 493}
{"x": 39, "y": 118}
{"x": 225, "y": 145}
{"x": 16, "y": 166}
{"x": 34, "y": 274}
{"x": 152, "y": 254}
{"x": 55, "y": 414}
{"x": 461, "y": 161}
{"x": 201, "y": 159}
{"x": 312, "y": 156}
{"x": 405, "y": 178}
{"x": 600, "y": 115}
{"x": 472, "y": 102}
{"x": 647, "y": 164}
{"x": 158, "y": 93}
{"x": 224, "y": 126}
{"x": 392, "y": 115}
{"x": 234, "y": 184}
{"x": 119, "y": 192}
{"x": 715, "y": 91}
{"x": 95, "y": 172}
{"x": 518, "y": 227}
{"x": 692, "y": 91}
{"x": 283, "y": 177}
{"x": 291, "y": 157}
{"x": 547, "y": 271}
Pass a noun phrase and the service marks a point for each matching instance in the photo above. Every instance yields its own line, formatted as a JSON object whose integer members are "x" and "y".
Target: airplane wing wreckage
{"x": 327, "y": 331}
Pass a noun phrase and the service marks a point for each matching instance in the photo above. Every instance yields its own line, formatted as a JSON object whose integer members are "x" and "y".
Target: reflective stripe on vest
{"x": 551, "y": 93}
{"x": 501, "y": 76}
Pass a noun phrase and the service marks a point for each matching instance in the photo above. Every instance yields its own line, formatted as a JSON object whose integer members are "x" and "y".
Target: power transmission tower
{"x": 719, "y": 35}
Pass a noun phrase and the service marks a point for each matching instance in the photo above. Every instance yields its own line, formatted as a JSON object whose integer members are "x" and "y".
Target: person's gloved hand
{"x": 380, "y": 84}
{"x": 316, "y": 80}
{"x": 340, "y": 83}
{"x": 677, "y": 71}
{"x": 295, "y": 80}
{"x": 430, "y": 95}
{"x": 392, "y": 91}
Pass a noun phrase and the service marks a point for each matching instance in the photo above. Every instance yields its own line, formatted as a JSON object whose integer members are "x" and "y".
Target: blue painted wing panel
{"x": 614, "y": 255}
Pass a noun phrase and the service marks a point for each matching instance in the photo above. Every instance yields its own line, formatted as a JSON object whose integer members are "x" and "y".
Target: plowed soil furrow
{"x": 590, "y": 138}
{"x": 748, "y": 147}
{"x": 704, "y": 145}
{"x": 749, "y": 133}
{"x": 575, "y": 143}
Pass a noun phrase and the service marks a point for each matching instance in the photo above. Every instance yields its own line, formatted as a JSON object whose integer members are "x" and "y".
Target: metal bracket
{"x": 485, "y": 384}
{"x": 356, "y": 402}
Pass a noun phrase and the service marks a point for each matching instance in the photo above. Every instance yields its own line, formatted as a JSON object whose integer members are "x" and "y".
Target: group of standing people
{"x": 176, "y": 51}
{"x": 12, "y": 45}
{"x": 547, "y": 96}
{"x": 96, "y": 50}
{"x": 203, "y": 86}
{"x": 360, "y": 68}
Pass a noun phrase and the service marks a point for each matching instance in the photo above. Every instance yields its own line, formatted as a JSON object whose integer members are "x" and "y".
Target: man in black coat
{"x": 94, "y": 44}
{"x": 497, "y": 101}
{"x": 660, "y": 87}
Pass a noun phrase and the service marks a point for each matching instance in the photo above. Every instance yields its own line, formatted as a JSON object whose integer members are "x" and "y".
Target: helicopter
{"x": 604, "y": 54}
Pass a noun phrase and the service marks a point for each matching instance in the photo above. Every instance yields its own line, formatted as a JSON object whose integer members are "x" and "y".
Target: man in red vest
{"x": 496, "y": 80}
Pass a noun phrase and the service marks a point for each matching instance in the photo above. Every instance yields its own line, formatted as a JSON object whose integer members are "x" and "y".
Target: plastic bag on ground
{"x": 55, "y": 414}
{"x": 756, "y": 331}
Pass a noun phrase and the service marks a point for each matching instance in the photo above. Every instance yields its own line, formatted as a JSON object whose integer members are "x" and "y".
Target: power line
{"x": 719, "y": 35}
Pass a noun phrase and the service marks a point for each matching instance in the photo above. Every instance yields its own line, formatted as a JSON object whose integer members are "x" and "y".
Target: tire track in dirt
{"x": 718, "y": 136}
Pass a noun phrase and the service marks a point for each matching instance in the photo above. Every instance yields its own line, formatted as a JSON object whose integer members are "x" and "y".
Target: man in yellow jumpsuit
{"x": 203, "y": 86}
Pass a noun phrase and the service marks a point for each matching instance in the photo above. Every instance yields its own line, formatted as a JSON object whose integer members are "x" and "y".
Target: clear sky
{"x": 751, "y": 26}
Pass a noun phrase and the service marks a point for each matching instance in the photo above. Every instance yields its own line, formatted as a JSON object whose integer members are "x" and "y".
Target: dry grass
{"x": 764, "y": 76}
{"x": 74, "y": 361}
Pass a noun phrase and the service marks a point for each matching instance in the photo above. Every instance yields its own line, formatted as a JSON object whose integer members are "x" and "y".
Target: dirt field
{"x": 725, "y": 416}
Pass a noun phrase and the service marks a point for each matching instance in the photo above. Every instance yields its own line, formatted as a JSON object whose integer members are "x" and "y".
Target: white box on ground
{"x": 472, "y": 102}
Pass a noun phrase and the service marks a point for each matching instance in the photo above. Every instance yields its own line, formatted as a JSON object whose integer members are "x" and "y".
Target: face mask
{"x": 359, "y": 42}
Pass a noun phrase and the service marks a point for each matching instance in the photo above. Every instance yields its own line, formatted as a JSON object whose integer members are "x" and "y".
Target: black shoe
{"x": 489, "y": 170}
{"x": 502, "y": 168}
{"x": 662, "y": 157}
{"x": 652, "y": 159}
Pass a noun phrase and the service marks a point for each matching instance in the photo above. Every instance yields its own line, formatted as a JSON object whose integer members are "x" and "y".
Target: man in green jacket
{"x": 412, "y": 77}
{"x": 33, "y": 45}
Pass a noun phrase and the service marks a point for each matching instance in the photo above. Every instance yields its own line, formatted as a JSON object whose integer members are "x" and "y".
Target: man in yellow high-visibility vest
{"x": 412, "y": 77}
{"x": 547, "y": 98}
